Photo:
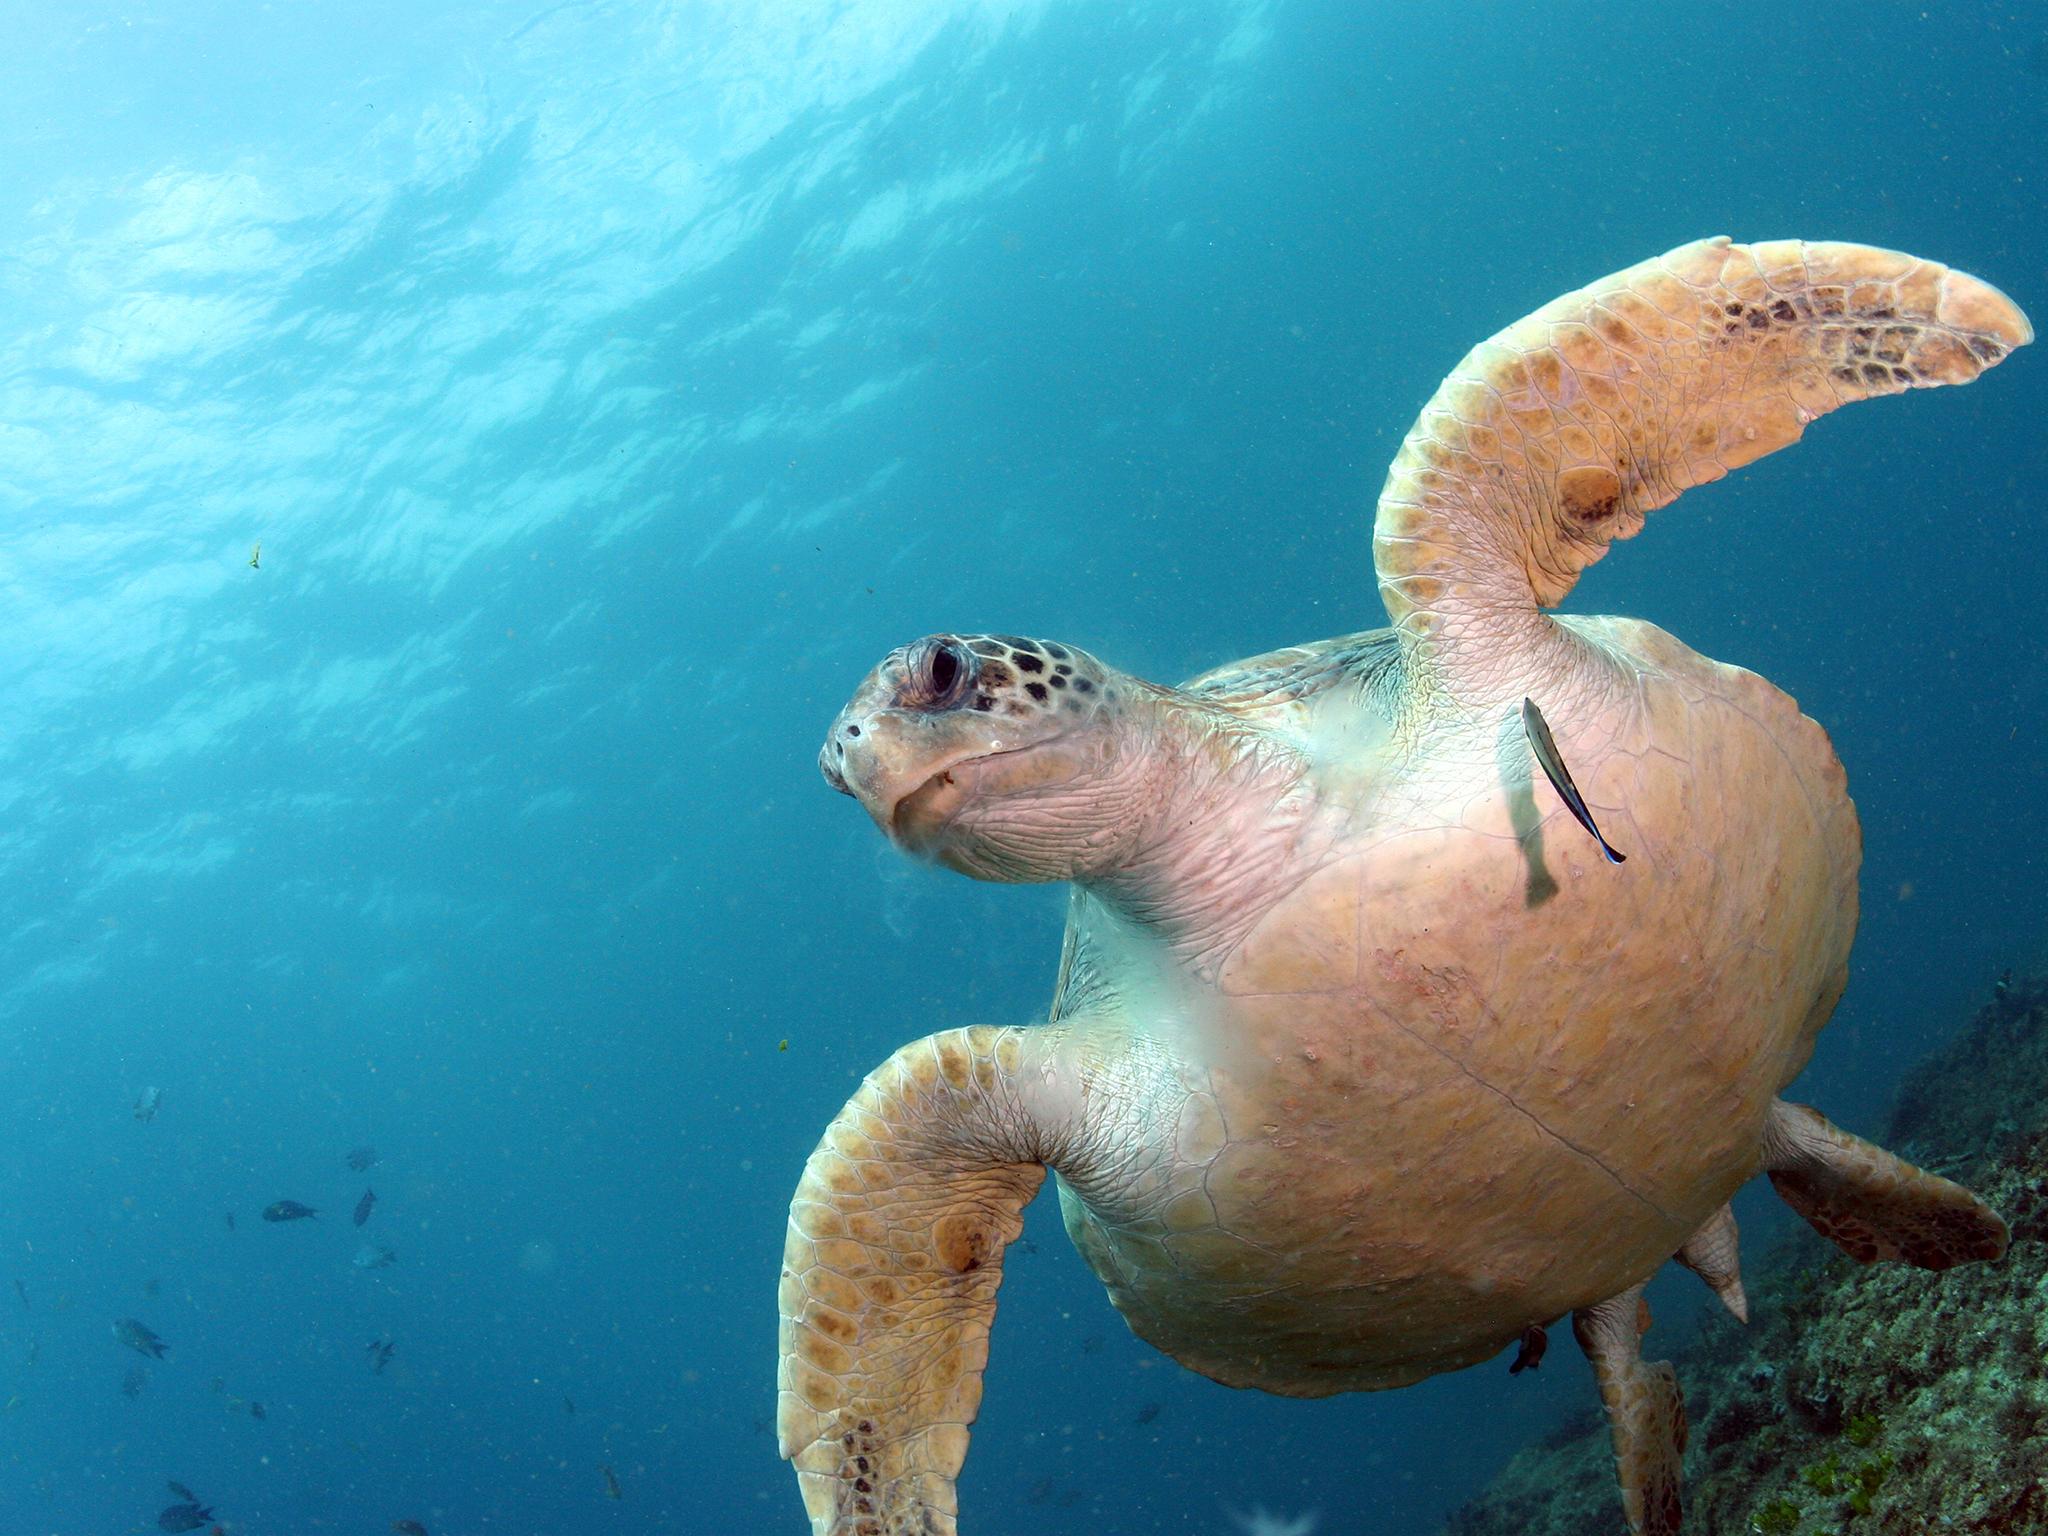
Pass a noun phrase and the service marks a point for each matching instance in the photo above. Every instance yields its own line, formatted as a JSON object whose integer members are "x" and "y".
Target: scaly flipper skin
{"x": 1645, "y": 1410}
{"x": 889, "y": 1277}
{"x": 1559, "y": 434}
{"x": 1871, "y": 1204}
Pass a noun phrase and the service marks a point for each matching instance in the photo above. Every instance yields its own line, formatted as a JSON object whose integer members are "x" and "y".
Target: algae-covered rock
{"x": 1873, "y": 1400}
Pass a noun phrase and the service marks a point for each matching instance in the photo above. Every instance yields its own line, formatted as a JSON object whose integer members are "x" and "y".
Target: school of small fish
{"x": 189, "y": 1512}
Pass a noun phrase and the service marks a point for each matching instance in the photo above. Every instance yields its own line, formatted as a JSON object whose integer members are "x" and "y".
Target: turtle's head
{"x": 1003, "y": 758}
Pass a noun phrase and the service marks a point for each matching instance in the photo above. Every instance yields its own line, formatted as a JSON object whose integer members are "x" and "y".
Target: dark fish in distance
{"x": 362, "y": 1159}
{"x": 180, "y": 1491}
{"x": 408, "y": 1528}
{"x": 365, "y": 1205}
{"x": 612, "y": 1490}
{"x": 375, "y": 1256}
{"x": 133, "y": 1383}
{"x": 1544, "y": 746}
{"x": 145, "y": 1107}
{"x": 569, "y": 1405}
{"x": 287, "y": 1210}
{"x": 231, "y": 1221}
{"x": 183, "y": 1517}
{"x": 1529, "y": 1354}
{"x": 1148, "y": 1413}
{"x": 256, "y": 1411}
{"x": 140, "y": 1337}
{"x": 21, "y": 1290}
{"x": 380, "y": 1354}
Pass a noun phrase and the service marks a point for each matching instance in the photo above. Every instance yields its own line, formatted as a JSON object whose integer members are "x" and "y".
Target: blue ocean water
{"x": 607, "y": 386}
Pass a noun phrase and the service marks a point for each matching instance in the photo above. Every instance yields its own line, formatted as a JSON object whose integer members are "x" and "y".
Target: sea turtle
{"x": 1365, "y": 1061}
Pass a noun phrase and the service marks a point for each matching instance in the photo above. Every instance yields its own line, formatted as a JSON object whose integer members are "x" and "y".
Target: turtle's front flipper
{"x": 1557, "y": 436}
{"x": 1869, "y": 1203}
{"x": 889, "y": 1277}
{"x": 1645, "y": 1410}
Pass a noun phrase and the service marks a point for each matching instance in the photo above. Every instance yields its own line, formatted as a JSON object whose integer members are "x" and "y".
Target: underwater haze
{"x": 455, "y": 460}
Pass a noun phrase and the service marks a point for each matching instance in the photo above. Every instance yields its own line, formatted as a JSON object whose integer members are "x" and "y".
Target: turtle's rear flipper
{"x": 1870, "y": 1204}
{"x": 1645, "y": 1410}
{"x": 889, "y": 1276}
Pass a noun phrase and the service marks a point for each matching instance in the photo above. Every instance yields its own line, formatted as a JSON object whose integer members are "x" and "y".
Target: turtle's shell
{"x": 1463, "y": 1075}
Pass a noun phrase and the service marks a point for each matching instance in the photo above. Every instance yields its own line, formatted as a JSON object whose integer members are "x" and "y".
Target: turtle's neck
{"x": 1216, "y": 847}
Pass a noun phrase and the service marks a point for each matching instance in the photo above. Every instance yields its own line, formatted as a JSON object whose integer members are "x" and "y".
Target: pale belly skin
{"x": 1467, "y": 1076}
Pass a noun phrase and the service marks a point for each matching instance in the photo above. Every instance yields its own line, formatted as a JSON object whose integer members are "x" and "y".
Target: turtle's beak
{"x": 883, "y": 755}
{"x": 890, "y": 762}
{"x": 828, "y": 765}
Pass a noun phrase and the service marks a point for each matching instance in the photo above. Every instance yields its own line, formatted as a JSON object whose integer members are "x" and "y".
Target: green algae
{"x": 1824, "y": 1479}
{"x": 1780, "y": 1517}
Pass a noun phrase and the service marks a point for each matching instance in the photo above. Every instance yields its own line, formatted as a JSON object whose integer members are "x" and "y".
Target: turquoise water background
{"x": 608, "y": 386}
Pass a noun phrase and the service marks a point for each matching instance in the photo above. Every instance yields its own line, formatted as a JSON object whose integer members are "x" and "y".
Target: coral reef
{"x": 1862, "y": 1400}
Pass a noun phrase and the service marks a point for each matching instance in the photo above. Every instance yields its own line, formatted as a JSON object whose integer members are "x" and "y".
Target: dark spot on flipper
{"x": 1027, "y": 662}
{"x": 1083, "y": 685}
{"x": 1057, "y": 680}
{"x": 1589, "y": 494}
{"x": 1056, "y": 652}
{"x": 1037, "y": 691}
{"x": 964, "y": 1243}
{"x": 1017, "y": 644}
{"x": 1782, "y": 310}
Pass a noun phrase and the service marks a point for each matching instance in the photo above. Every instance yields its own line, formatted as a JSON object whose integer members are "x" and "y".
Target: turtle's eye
{"x": 938, "y": 674}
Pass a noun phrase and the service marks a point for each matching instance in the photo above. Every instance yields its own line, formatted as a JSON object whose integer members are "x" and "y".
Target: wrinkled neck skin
{"x": 1474, "y": 642}
{"x": 1220, "y": 838}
